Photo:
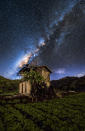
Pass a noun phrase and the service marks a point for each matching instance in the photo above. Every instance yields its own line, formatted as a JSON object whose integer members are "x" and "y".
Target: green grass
{"x": 64, "y": 114}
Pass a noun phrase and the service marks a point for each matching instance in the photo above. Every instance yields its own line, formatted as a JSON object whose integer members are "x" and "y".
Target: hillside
{"x": 65, "y": 114}
{"x": 8, "y": 86}
{"x": 69, "y": 83}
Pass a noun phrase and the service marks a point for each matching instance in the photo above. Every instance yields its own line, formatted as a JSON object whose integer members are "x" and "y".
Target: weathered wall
{"x": 25, "y": 87}
{"x": 46, "y": 76}
{"x": 28, "y": 87}
{"x": 20, "y": 88}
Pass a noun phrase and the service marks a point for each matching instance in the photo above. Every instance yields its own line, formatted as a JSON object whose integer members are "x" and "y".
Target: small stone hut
{"x": 25, "y": 86}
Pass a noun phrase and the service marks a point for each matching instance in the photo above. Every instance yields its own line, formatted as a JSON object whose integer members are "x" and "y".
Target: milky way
{"x": 49, "y": 32}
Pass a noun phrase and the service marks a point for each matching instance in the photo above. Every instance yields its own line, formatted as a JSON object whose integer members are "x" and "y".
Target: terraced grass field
{"x": 65, "y": 114}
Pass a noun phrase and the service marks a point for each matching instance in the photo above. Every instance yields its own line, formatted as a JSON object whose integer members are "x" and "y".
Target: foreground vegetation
{"x": 65, "y": 114}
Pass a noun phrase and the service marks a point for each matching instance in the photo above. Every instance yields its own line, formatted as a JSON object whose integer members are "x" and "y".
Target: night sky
{"x": 44, "y": 32}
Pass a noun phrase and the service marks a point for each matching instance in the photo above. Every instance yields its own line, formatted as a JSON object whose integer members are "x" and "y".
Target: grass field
{"x": 65, "y": 114}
